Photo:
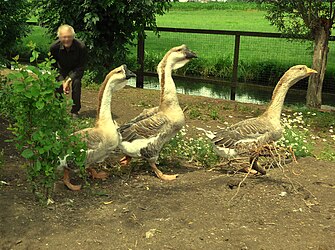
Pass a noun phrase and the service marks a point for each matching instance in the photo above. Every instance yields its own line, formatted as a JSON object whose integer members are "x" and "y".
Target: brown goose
{"x": 145, "y": 135}
{"x": 248, "y": 134}
{"x": 104, "y": 137}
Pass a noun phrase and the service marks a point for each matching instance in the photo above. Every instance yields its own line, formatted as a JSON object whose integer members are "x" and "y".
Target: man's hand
{"x": 66, "y": 85}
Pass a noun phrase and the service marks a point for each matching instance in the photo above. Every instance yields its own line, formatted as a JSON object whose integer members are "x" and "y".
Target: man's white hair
{"x": 65, "y": 27}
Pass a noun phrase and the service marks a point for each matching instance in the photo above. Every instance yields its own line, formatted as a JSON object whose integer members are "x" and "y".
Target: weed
{"x": 194, "y": 113}
{"x": 328, "y": 154}
{"x": 214, "y": 114}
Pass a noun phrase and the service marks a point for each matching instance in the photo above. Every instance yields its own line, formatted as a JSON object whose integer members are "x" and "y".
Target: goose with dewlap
{"x": 104, "y": 136}
{"x": 266, "y": 128}
{"x": 145, "y": 135}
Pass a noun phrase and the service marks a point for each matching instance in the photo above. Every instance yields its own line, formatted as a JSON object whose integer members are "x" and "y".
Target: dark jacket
{"x": 70, "y": 62}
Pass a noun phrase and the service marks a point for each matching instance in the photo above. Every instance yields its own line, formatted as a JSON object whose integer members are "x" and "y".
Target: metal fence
{"x": 232, "y": 57}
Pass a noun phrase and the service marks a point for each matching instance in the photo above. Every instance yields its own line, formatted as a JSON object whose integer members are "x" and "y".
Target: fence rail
{"x": 236, "y": 54}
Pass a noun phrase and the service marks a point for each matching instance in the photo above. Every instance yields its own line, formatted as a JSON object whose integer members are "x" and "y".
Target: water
{"x": 246, "y": 93}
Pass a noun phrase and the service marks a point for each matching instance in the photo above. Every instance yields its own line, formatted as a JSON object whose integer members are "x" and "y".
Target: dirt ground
{"x": 290, "y": 208}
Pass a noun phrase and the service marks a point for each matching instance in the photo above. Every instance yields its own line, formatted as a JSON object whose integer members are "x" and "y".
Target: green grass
{"x": 243, "y": 20}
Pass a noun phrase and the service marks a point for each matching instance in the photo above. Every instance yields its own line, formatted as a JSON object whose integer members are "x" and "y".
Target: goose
{"x": 145, "y": 135}
{"x": 248, "y": 134}
{"x": 103, "y": 137}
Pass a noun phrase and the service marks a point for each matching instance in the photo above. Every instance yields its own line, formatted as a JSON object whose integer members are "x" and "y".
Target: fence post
{"x": 140, "y": 60}
{"x": 235, "y": 67}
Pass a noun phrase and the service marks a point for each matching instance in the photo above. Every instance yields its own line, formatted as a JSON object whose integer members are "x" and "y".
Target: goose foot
{"x": 248, "y": 170}
{"x": 66, "y": 181}
{"x": 160, "y": 175}
{"x": 95, "y": 175}
{"x": 258, "y": 168}
{"x": 125, "y": 160}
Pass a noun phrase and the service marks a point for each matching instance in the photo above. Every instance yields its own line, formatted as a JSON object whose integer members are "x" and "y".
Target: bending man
{"x": 71, "y": 57}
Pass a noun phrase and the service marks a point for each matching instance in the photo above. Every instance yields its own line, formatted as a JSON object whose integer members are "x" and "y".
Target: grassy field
{"x": 262, "y": 60}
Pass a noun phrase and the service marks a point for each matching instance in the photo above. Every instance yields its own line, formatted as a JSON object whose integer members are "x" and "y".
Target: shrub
{"x": 41, "y": 125}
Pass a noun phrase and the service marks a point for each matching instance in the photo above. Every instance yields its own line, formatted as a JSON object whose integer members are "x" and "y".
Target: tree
{"x": 107, "y": 27}
{"x": 13, "y": 17}
{"x": 315, "y": 19}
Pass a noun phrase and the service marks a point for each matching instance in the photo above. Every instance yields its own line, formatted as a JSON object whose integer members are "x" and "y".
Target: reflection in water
{"x": 248, "y": 93}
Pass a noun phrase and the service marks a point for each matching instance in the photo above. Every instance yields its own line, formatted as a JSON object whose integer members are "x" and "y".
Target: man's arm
{"x": 79, "y": 70}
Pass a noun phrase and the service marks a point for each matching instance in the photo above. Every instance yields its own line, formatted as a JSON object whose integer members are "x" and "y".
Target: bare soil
{"x": 290, "y": 208}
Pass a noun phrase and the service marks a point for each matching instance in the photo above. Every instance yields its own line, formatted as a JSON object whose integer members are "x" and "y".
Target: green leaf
{"x": 38, "y": 166}
{"x": 27, "y": 153}
{"x": 39, "y": 104}
{"x": 34, "y": 56}
{"x": 16, "y": 58}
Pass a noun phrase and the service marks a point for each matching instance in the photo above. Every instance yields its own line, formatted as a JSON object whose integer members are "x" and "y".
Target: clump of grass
{"x": 198, "y": 150}
{"x": 214, "y": 114}
{"x": 328, "y": 154}
{"x": 194, "y": 113}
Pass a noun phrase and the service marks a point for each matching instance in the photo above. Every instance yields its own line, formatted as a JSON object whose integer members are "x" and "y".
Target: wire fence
{"x": 247, "y": 63}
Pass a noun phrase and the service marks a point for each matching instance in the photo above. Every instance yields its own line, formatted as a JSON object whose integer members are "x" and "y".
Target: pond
{"x": 247, "y": 93}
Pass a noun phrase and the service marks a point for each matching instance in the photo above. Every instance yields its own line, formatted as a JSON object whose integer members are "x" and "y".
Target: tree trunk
{"x": 314, "y": 91}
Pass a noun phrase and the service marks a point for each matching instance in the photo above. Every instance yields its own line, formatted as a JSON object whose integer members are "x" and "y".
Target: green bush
{"x": 41, "y": 124}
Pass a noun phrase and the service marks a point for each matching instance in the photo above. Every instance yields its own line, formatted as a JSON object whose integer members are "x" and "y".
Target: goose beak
{"x": 311, "y": 71}
{"x": 129, "y": 74}
{"x": 190, "y": 54}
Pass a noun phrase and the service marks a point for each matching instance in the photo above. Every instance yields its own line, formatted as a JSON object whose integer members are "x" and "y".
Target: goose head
{"x": 177, "y": 57}
{"x": 296, "y": 73}
{"x": 118, "y": 77}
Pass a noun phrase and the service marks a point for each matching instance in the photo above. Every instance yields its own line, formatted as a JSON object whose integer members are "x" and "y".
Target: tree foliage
{"x": 302, "y": 17}
{"x": 107, "y": 27}
{"x": 13, "y": 17}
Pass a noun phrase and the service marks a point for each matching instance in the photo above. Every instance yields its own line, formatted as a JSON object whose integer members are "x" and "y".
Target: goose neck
{"x": 278, "y": 97}
{"x": 168, "y": 87}
{"x": 104, "y": 110}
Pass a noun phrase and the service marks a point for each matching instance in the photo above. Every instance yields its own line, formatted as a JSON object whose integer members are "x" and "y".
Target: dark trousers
{"x": 76, "y": 94}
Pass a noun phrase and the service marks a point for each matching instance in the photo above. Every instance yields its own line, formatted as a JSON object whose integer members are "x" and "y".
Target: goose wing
{"x": 92, "y": 137}
{"x": 145, "y": 114}
{"x": 145, "y": 128}
{"x": 247, "y": 131}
